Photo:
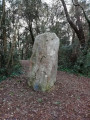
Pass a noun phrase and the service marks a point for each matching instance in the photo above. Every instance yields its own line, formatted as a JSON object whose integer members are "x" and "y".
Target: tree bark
{"x": 77, "y": 28}
{"x": 31, "y": 32}
{"x": 87, "y": 19}
{"x": 37, "y": 27}
{"x": 4, "y": 29}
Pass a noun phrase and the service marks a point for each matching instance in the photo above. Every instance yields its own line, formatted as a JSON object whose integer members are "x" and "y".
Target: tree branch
{"x": 68, "y": 17}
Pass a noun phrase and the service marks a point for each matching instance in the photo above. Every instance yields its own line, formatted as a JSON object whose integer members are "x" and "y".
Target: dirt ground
{"x": 68, "y": 100}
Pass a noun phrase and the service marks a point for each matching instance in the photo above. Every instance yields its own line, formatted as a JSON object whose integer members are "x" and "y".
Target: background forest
{"x": 22, "y": 20}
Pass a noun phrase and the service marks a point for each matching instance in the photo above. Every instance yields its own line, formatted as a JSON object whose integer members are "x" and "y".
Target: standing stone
{"x": 43, "y": 62}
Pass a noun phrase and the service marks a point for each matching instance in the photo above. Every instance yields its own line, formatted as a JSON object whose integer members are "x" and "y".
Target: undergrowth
{"x": 16, "y": 70}
{"x": 79, "y": 64}
{"x": 73, "y": 71}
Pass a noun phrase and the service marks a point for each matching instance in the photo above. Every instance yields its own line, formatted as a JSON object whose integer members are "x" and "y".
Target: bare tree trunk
{"x": 37, "y": 27}
{"x": 79, "y": 24}
{"x": 78, "y": 29}
{"x": 10, "y": 58}
{"x": 15, "y": 36}
{"x": 2, "y": 15}
{"x": 29, "y": 21}
{"x": 4, "y": 29}
{"x": 31, "y": 32}
{"x": 22, "y": 54}
{"x": 87, "y": 19}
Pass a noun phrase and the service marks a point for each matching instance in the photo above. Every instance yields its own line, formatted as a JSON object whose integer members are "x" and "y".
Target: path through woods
{"x": 68, "y": 100}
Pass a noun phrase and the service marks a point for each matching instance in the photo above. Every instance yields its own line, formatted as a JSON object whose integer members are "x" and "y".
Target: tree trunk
{"x": 4, "y": 29}
{"x": 88, "y": 21}
{"x": 78, "y": 29}
{"x": 37, "y": 27}
{"x": 79, "y": 25}
{"x": 31, "y": 32}
{"x": 22, "y": 54}
{"x": 73, "y": 37}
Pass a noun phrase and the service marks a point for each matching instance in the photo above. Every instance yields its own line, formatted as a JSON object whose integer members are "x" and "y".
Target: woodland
{"x": 20, "y": 22}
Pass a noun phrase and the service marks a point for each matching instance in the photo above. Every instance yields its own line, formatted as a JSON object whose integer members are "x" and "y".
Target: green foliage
{"x": 2, "y": 74}
{"x": 64, "y": 57}
{"x": 2, "y": 78}
{"x": 57, "y": 102}
{"x": 11, "y": 93}
{"x": 40, "y": 100}
{"x": 81, "y": 65}
{"x": 14, "y": 71}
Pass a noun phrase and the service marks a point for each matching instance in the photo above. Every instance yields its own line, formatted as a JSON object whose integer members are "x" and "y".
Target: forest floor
{"x": 68, "y": 100}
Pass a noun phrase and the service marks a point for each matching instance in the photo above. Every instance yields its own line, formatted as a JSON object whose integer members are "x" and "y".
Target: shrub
{"x": 64, "y": 57}
{"x": 78, "y": 64}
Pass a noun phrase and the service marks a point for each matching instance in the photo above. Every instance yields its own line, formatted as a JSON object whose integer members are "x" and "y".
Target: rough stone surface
{"x": 43, "y": 62}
